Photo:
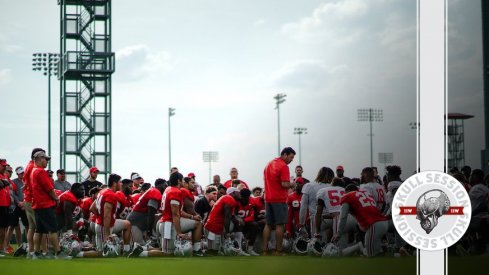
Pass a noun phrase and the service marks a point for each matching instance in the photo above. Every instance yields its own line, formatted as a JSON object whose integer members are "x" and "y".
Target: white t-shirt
{"x": 479, "y": 198}
{"x": 308, "y": 202}
{"x": 331, "y": 196}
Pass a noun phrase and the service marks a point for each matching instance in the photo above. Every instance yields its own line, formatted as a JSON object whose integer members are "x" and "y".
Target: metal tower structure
{"x": 85, "y": 71}
{"x": 456, "y": 143}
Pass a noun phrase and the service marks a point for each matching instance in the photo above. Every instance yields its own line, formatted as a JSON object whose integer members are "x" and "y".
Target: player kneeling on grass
{"x": 250, "y": 227}
{"x": 362, "y": 206}
{"x": 68, "y": 208}
{"x": 104, "y": 207}
{"x": 218, "y": 224}
{"x": 175, "y": 222}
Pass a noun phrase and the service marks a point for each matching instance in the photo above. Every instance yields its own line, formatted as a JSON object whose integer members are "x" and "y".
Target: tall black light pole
{"x": 280, "y": 98}
{"x": 171, "y": 112}
{"x": 300, "y": 132}
{"x": 370, "y": 115}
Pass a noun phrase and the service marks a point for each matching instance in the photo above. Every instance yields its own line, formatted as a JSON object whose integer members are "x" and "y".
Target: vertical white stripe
{"x": 431, "y": 74}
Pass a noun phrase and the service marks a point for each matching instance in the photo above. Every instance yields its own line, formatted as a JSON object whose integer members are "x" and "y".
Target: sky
{"x": 220, "y": 63}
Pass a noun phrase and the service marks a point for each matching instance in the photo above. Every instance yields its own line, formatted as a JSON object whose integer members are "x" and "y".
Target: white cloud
{"x": 138, "y": 61}
{"x": 260, "y": 22}
{"x": 5, "y": 76}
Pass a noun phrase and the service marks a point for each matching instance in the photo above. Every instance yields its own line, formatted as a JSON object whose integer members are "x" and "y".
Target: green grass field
{"x": 296, "y": 265}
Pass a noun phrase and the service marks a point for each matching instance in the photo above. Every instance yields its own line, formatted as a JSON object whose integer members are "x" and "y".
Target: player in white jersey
{"x": 479, "y": 199}
{"x": 371, "y": 186}
{"x": 393, "y": 178}
{"x": 309, "y": 194}
{"x": 329, "y": 208}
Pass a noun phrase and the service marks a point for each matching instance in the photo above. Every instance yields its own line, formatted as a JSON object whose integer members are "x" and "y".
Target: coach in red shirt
{"x": 277, "y": 184}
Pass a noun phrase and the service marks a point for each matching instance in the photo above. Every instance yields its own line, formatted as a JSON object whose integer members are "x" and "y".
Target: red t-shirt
{"x": 258, "y": 207}
{"x": 105, "y": 196}
{"x": 187, "y": 194}
{"x": 228, "y": 184}
{"x": 85, "y": 207}
{"x": 142, "y": 204}
{"x": 215, "y": 222}
{"x": 70, "y": 197}
{"x": 28, "y": 182}
{"x": 275, "y": 173}
{"x": 171, "y": 193}
{"x": 124, "y": 205}
{"x": 294, "y": 206}
{"x": 41, "y": 185}
{"x": 135, "y": 198}
{"x": 4, "y": 193}
{"x": 246, "y": 212}
{"x": 363, "y": 208}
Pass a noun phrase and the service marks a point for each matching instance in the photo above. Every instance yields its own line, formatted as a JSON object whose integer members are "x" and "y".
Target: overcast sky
{"x": 220, "y": 63}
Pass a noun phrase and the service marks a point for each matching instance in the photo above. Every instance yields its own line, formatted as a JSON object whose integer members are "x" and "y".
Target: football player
{"x": 294, "y": 206}
{"x": 69, "y": 207}
{"x": 175, "y": 222}
{"x": 188, "y": 196}
{"x": 218, "y": 224}
{"x": 373, "y": 187}
{"x": 362, "y": 206}
{"x": 204, "y": 205}
{"x": 249, "y": 226}
{"x": 142, "y": 217}
{"x": 124, "y": 200}
{"x": 104, "y": 207}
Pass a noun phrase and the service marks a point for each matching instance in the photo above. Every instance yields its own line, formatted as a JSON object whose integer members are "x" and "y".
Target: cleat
{"x": 136, "y": 251}
{"x": 198, "y": 253}
{"x": 21, "y": 251}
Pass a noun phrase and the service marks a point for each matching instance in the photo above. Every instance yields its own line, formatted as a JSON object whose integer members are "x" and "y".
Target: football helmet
{"x": 112, "y": 246}
{"x": 331, "y": 250}
{"x": 230, "y": 247}
{"x": 183, "y": 248}
{"x": 300, "y": 245}
{"x": 315, "y": 247}
{"x": 70, "y": 244}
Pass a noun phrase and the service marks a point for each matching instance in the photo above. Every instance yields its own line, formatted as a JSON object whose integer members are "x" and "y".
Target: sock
{"x": 127, "y": 248}
{"x": 238, "y": 236}
{"x": 197, "y": 246}
{"x": 144, "y": 254}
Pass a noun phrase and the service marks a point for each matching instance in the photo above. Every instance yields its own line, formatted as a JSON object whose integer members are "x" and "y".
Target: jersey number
{"x": 334, "y": 197}
{"x": 365, "y": 200}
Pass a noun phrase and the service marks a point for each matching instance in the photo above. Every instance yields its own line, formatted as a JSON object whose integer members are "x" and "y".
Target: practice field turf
{"x": 295, "y": 265}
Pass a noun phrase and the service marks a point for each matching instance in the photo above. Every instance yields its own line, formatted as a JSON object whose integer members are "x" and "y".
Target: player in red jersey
{"x": 175, "y": 222}
{"x": 142, "y": 217}
{"x": 105, "y": 207}
{"x": 234, "y": 177}
{"x": 124, "y": 200}
{"x": 218, "y": 224}
{"x": 69, "y": 207}
{"x": 4, "y": 204}
{"x": 362, "y": 206}
{"x": 136, "y": 194}
{"x": 88, "y": 226}
{"x": 294, "y": 206}
{"x": 188, "y": 190}
{"x": 249, "y": 226}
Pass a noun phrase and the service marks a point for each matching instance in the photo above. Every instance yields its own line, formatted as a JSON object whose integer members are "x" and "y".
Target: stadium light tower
{"x": 210, "y": 157}
{"x": 171, "y": 112}
{"x": 300, "y": 132}
{"x": 280, "y": 98}
{"x": 47, "y": 63}
{"x": 370, "y": 115}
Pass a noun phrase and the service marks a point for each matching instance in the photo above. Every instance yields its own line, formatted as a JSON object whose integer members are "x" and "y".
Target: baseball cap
{"x": 231, "y": 190}
{"x": 191, "y": 175}
{"x": 339, "y": 167}
{"x": 42, "y": 154}
{"x": 19, "y": 170}
{"x": 3, "y": 162}
{"x": 135, "y": 176}
{"x": 94, "y": 169}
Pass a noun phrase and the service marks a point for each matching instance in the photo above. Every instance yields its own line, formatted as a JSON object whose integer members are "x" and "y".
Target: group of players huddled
{"x": 332, "y": 216}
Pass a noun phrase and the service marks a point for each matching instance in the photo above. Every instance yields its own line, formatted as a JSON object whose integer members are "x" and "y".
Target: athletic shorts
{"x": 45, "y": 220}
{"x": 214, "y": 241}
{"x": 139, "y": 219}
{"x": 13, "y": 218}
{"x": 4, "y": 216}
{"x": 276, "y": 213}
{"x": 29, "y": 212}
{"x": 169, "y": 235}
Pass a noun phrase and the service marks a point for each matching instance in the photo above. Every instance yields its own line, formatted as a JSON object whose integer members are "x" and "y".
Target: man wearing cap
{"x": 277, "y": 184}
{"x": 4, "y": 204}
{"x": 234, "y": 176}
{"x": 92, "y": 181}
{"x": 340, "y": 171}
{"x": 61, "y": 184}
{"x": 197, "y": 187}
{"x": 137, "y": 180}
{"x": 44, "y": 201}
{"x": 218, "y": 224}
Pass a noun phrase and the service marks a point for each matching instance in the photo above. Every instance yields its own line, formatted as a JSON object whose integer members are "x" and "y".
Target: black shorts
{"x": 3, "y": 216}
{"x": 45, "y": 220}
{"x": 13, "y": 218}
{"x": 276, "y": 213}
